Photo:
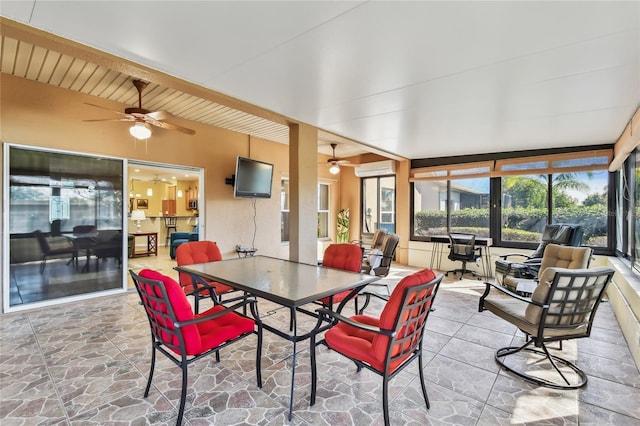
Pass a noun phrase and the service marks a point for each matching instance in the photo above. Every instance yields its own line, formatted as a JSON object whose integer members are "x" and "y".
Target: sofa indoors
{"x": 178, "y": 238}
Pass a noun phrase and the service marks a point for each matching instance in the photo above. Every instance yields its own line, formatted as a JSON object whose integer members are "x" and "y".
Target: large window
{"x": 459, "y": 205}
{"x": 323, "y": 210}
{"x": 524, "y": 209}
{"x": 379, "y": 204}
{"x": 512, "y": 200}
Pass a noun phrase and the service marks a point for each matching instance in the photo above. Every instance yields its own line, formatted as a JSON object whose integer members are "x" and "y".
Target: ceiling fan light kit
{"x": 335, "y": 163}
{"x": 140, "y": 131}
{"x": 143, "y": 119}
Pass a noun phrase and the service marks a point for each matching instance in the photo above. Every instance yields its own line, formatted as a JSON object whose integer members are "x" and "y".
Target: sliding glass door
{"x": 64, "y": 226}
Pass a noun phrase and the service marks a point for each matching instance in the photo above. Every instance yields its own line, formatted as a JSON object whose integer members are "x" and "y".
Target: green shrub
{"x": 519, "y": 223}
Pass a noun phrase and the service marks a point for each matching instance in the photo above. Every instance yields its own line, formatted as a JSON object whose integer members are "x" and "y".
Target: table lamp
{"x": 138, "y": 215}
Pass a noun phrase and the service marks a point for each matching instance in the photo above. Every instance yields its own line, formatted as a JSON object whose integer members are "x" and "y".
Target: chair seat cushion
{"x": 354, "y": 342}
{"x": 370, "y": 347}
{"x": 219, "y": 330}
{"x": 205, "y": 335}
{"x": 513, "y": 311}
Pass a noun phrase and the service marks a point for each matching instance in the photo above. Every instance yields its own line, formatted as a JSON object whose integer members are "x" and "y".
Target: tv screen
{"x": 253, "y": 179}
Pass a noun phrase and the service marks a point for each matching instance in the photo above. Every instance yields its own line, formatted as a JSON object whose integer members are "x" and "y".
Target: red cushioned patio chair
{"x": 387, "y": 344}
{"x": 199, "y": 252}
{"x": 185, "y": 337}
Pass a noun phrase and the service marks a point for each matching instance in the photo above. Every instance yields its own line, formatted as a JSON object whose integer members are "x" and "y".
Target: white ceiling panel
{"x": 418, "y": 79}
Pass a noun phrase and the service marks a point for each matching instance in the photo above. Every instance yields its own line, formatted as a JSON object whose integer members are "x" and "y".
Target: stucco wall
{"x": 40, "y": 115}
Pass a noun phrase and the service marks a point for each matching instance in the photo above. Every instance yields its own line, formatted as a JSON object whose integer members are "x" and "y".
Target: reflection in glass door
{"x": 65, "y": 226}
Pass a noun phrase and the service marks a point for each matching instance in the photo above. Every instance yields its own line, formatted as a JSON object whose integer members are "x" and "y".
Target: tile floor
{"x": 86, "y": 363}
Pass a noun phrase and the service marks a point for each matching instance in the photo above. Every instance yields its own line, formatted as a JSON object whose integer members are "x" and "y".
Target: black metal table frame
{"x": 293, "y": 305}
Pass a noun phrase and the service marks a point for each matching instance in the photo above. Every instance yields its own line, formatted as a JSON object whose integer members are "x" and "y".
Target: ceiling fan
{"x": 335, "y": 163}
{"x": 142, "y": 118}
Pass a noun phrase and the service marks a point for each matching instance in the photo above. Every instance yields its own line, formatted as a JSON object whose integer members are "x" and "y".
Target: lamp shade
{"x": 140, "y": 131}
{"x": 138, "y": 215}
{"x": 334, "y": 169}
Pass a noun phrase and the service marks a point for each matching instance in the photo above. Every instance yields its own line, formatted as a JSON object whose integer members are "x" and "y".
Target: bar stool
{"x": 170, "y": 222}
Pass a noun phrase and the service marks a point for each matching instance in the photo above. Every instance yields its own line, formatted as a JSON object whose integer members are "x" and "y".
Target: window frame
{"x": 447, "y": 169}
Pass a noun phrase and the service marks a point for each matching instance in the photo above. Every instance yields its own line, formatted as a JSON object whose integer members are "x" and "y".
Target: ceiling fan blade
{"x": 170, "y": 126}
{"x": 108, "y": 109}
{"x": 160, "y": 115}
{"x": 111, "y": 119}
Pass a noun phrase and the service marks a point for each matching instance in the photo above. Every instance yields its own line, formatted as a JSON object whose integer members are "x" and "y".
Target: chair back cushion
{"x": 389, "y": 245}
{"x": 558, "y": 233}
{"x": 194, "y": 252}
{"x": 565, "y": 257}
{"x": 347, "y": 257}
{"x": 378, "y": 235}
{"x": 159, "y": 313}
{"x": 343, "y": 256}
{"x": 572, "y": 296}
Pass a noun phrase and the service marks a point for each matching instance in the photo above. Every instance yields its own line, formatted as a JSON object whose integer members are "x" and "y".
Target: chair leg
{"x": 424, "y": 388}
{"x": 553, "y": 360}
{"x": 196, "y": 303}
{"x": 366, "y": 303}
{"x": 385, "y": 399}
{"x": 153, "y": 365}
{"x": 183, "y": 393}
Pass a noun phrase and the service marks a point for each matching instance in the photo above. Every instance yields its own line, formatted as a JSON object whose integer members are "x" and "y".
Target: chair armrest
{"x": 504, "y": 256}
{"x": 199, "y": 284}
{"x": 368, "y": 294}
{"x": 341, "y": 318}
{"x": 225, "y": 311}
{"x": 508, "y": 293}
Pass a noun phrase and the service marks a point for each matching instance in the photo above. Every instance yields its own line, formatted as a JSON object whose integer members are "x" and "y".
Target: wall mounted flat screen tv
{"x": 253, "y": 179}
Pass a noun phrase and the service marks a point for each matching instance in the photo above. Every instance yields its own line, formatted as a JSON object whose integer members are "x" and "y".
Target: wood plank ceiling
{"x": 27, "y": 60}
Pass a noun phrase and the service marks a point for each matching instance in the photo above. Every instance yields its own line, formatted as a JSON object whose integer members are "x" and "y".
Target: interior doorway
{"x": 162, "y": 199}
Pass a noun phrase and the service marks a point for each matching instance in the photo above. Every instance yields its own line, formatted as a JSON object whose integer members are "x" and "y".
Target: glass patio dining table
{"x": 287, "y": 283}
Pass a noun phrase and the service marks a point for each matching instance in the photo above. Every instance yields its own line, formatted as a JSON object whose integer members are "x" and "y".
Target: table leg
{"x": 314, "y": 374}
{"x": 293, "y": 360}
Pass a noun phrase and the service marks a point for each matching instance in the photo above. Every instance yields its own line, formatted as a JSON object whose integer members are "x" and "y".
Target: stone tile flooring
{"x": 86, "y": 363}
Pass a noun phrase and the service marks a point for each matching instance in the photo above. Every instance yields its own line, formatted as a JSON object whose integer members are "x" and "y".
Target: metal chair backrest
{"x": 407, "y": 310}
{"x": 568, "y": 301}
{"x": 160, "y": 313}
